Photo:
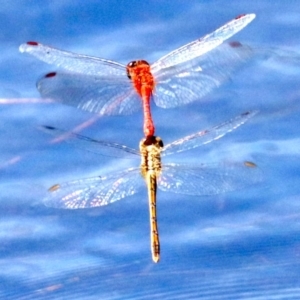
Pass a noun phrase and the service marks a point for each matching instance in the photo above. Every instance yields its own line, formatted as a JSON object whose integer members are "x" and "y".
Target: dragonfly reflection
{"x": 201, "y": 179}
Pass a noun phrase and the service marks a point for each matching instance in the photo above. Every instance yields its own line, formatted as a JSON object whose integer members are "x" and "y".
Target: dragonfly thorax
{"x": 150, "y": 149}
{"x": 139, "y": 73}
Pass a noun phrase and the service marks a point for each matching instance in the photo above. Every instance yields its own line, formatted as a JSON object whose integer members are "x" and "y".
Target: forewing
{"x": 96, "y": 191}
{"x": 104, "y": 95}
{"x": 208, "y": 179}
{"x": 74, "y": 62}
{"x": 206, "y": 136}
{"x": 194, "y": 79}
{"x": 92, "y": 145}
{"x": 202, "y": 45}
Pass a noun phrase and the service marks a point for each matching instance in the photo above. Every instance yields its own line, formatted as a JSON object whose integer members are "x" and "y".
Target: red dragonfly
{"x": 110, "y": 88}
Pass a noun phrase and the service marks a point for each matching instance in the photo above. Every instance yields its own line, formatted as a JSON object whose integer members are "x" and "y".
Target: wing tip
{"x": 250, "y": 113}
{"x": 26, "y": 47}
{"x": 249, "y": 17}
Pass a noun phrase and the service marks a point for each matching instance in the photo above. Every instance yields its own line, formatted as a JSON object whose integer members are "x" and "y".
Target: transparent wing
{"x": 192, "y": 80}
{"x": 208, "y": 179}
{"x": 202, "y": 45}
{"x": 96, "y": 191}
{"x": 92, "y": 145}
{"x": 104, "y": 95}
{"x": 74, "y": 62}
{"x": 206, "y": 136}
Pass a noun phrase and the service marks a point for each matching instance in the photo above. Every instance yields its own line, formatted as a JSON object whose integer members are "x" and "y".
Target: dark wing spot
{"x": 235, "y": 44}
{"x": 240, "y": 16}
{"x": 54, "y": 188}
{"x": 49, "y": 127}
{"x": 246, "y": 113}
{"x": 49, "y": 75}
{"x": 32, "y": 43}
{"x": 250, "y": 164}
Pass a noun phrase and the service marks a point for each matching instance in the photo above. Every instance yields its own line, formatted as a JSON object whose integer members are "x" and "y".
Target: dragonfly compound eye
{"x": 159, "y": 142}
{"x": 130, "y": 65}
{"x": 143, "y": 62}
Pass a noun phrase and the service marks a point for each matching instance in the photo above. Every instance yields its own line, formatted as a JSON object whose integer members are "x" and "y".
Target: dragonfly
{"x": 107, "y": 87}
{"x": 196, "y": 180}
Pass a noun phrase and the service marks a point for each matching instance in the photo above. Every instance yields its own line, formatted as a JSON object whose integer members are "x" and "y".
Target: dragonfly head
{"x": 134, "y": 64}
{"x": 153, "y": 140}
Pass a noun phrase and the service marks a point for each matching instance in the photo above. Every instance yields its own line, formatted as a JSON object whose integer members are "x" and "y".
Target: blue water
{"x": 240, "y": 245}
